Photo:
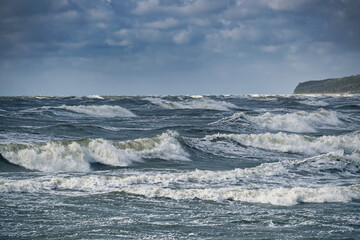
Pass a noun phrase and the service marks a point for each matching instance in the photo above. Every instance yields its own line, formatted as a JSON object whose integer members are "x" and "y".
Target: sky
{"x": 143, "y": 47}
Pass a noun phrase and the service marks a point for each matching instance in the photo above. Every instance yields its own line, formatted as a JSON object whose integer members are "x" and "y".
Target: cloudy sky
{"x": 133, "y": 47}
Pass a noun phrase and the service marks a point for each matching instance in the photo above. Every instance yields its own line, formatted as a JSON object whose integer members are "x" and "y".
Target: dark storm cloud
{"x": 179, "y": 39}
{"x": 66, "y": 27}
{"x": 57, "y": 27}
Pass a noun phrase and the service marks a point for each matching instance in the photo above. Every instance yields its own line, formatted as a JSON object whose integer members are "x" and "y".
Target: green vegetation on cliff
{"x": 350, "y": 84}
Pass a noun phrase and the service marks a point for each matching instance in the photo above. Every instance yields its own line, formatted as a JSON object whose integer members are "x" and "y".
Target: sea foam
{"x": 100, "y": 110}
{"x": 292, "y": 122}
{"x": 95, "y": 97}
{"x": 286, "y": 142}
{"x": 77, "y": 155}
{"x": 277, "y": 196}
{"x": 279, "y": 183}
{"x": 331, "y": 168}
{"x": 193, "y": 103}
{"x": 284, "y": 196}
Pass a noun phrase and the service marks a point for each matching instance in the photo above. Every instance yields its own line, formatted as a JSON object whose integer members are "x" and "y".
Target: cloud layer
{"x": 181, "y": 46}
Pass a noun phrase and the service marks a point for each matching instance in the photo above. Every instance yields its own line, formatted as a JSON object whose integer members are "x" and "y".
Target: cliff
{"x": 350, "y": 84}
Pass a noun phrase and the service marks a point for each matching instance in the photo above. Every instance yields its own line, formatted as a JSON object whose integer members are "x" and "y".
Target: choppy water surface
{"x": 180, "y": 167}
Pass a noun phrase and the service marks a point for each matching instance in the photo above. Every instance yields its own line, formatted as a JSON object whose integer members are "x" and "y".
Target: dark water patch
{"x": 96, "y": 166}
{"x": 348, "y": 107}
{"x": 6, "y": 166}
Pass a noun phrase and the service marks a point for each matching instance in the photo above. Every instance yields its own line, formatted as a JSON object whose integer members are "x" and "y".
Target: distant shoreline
{"x": 344, "y": 85}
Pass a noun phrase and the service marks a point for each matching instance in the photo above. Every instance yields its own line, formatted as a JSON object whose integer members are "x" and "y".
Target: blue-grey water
{"x": 180, "y": 167}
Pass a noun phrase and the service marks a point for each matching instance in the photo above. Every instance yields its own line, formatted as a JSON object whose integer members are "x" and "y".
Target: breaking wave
{"x": 77, "y": 155}
{"x": 193, "y": 103}
{"x": 294, "y": 143}
{"x": 95, "y": 97}
{"x": 268, "y": 183}
{"x": 292, "y": 122}
{"x": 314, "y": 102}
{"x": 285, "y": 196}
{"x": 100, "y": 110}
{"x": 277, "y": 196}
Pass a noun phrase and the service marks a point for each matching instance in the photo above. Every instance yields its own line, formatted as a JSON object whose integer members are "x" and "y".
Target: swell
{"x": 100, "y": 110}
{"x": 300, "y": 121}
{"x": 92, "y": 110}
{"x": 276, "y": 196}
{"x": 55, "y": 156}
{"x": 244, "y": 185}
{"x": 286, "y": 142}
{"x": 192, "y": 103}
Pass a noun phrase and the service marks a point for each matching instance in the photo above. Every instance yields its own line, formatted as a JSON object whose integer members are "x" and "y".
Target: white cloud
{"x": 186, "y": 7}
{"x": 240, "y": 33}
{"x": 201, "y": 22}
{"x": 182, "y": 37}
{"x": 284, "y": 4}
{"x": 225, "y": 22}
{"x": 126, "y": 37}
{"x": 101, "y": 25}
{"x": 163, "y": 24}
{"x": 270, "y": 48}
{"x": 122, "y": 33}
{"x": 146, "y": 6}
{"x": 98, "y": 14}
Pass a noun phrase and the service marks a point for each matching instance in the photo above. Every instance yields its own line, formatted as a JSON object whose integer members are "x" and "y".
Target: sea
{"x": 180, "y": 167}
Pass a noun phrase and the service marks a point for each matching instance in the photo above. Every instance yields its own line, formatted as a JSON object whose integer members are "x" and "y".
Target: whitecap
{"x": 194, "y": 103}
{"x": 95, "y": 97}
{"x": 282, "y": 196}
{"x": 295, "y": 143}
{"x": 245, "y": 185}
{"x": 196, "y": 96}
{"x": 100, "y": 110}
{"x": 314, "y": 102}
{"x": 58, "y": 156}
{"x": 276, "y": 196}
{"x": 300, "y": 121}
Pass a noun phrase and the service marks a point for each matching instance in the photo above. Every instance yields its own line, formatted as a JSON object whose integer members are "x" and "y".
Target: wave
{"x": 280, "y": 183}
{"x": 93, "y": 110}
{"x": 58, "y": 156}
{"x": 336, "y": 164}
{"x": 95, "y": 97}
{"x": 292, "y": 122}
{"x": 263, "y": 96}
{"x": 193, "y": 103}
{"x": 314, "y": 102}
{"x": 276, "y": 196}
{"x": 295, "y": 143}
{"x": 196, "y": 96}
{"x": 100, "y": 110}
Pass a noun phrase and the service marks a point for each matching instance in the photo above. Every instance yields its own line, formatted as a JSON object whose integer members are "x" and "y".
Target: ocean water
{"x": 180, "y": 167}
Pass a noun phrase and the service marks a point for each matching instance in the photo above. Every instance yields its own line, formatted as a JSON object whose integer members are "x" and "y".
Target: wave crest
{"x": 100, "y": 110}
{"x": 283, "y": 196}
{"x": 295, "y": 143}
{"x": 67, "y": 156}
{"x": 277, "y": 196}
{"x": 193, "y": 103}
{"x": 95, "y": 97}
{"x": 292, "y": 122}
{"x": 269, "y": 183}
